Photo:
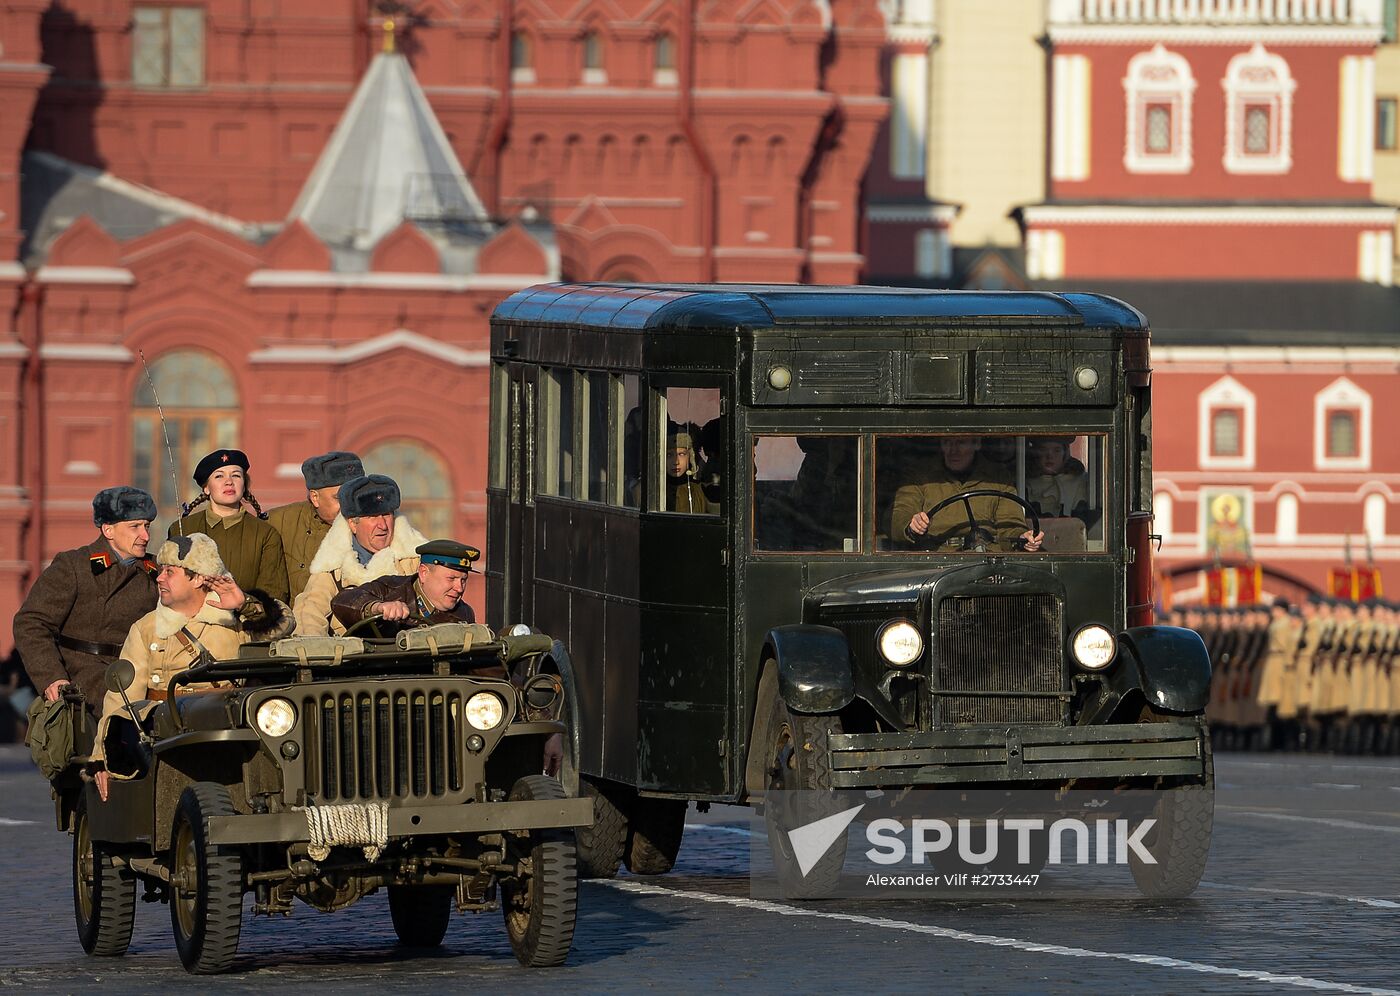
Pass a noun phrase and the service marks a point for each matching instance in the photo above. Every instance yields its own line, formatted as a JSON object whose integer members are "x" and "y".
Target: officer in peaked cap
{"x": 304, "y": 524}
{"x": 433, "y": 594}
{"x": 76, "y": 616}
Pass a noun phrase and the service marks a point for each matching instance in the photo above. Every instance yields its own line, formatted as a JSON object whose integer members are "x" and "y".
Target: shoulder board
{"x": 100, "y": 562}
{"x": 149, "y": 565}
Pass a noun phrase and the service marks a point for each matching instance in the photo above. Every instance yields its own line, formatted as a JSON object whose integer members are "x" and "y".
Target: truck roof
{"x": 725, "y": 306}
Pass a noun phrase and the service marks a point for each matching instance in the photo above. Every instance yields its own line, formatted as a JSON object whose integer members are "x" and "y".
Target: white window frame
{"x": 1158, "y": 77}
{"x": 1162, "y": 508}
{"x": 1373, "y": 509}
{"x": 1286, "y": 519}
{"x": 1259, "y": 77}
{"x": 1342, "y": 394}
{"x": 1225, "y": 393}
{"x": 909, "y": 115}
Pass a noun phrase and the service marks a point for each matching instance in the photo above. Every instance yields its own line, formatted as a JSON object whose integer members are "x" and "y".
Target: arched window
{"x": 1286, "y": 519}
{"x": 1158, "y": 90}
{"x": 1258, "y": 113}
{"x": 1373, "y": 517}
{"x": 522, "y": 58}
{"x": 1342, "y": 427}
{"x": 424, "y": 484}
{"x": 200, "y": 401}
{"x": 663, "y": 60}
{"x": 1225, "y": 432}
{"x": 1162, "y": 515}
{"x": 593, "y": 71}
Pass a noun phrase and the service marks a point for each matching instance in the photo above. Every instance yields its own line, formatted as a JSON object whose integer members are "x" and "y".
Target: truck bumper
{"x": 414, "y": 821}
{"x": 1128, "y": 752}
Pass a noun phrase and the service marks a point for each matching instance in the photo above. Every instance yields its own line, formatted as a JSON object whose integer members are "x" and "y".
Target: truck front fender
{"x": 1172, "y": 666}
{"x": 814, "y": 667}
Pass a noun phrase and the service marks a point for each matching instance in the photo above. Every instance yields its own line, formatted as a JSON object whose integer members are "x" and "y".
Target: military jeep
{"x": 324, "y": 769}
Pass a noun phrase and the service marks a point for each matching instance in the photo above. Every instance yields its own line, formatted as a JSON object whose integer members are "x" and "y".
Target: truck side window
{"x": 593, "y": 426}
{"x": 627, "y": 421}
{"x": 688, "y": 446}
{"x": 806, "y": 493}
{"x": 556, "y": 432}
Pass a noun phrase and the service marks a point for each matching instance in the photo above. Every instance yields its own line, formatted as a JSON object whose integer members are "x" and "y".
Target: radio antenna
{"x": 165, "y": 434}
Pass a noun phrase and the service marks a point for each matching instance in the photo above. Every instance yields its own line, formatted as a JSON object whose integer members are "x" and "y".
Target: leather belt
{"x": 157, "y": 694}
{"x": 84, "y": 647}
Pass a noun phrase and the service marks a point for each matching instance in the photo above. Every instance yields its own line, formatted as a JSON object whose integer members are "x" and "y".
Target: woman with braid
{"x": 250, "y": 547}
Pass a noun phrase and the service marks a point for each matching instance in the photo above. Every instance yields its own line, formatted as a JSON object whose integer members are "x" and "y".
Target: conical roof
{"x": 388, "y": 160}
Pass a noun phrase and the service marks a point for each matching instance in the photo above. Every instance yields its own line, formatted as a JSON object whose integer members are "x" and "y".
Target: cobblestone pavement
{"x": 1302, "y": 893}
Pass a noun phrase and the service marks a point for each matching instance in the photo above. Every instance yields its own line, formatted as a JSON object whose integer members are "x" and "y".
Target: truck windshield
{"x": 808, "y": 493}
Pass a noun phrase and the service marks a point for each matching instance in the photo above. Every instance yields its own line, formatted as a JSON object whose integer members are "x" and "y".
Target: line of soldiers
{"x": 212, "y": 584}
{"x": 1320, "y": 676}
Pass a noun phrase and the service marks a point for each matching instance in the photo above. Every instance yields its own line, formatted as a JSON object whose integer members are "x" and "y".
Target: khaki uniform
{"x": 1004, "y": 518}
{"x": 302, "y": 531}
{"x": 1291, "y": 681}
{"x": 1058, "y": 495}
{"x": 85, "y": 596}
{"x": 336, "y": 567}
{"x": 248, "y": 546}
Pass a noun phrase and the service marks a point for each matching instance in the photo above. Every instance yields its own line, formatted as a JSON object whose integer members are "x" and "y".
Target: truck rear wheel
{"x": 541, "y": 904}
{"x": 104, "y": 896}
{"x": 206, "y": 894}
{"x": 420, "y": 914}
{"x": 601, "y": 846}
{"x": 1180, "y": 839}
{"x": 799, "y": 792}
{"x": 654, "y": 835}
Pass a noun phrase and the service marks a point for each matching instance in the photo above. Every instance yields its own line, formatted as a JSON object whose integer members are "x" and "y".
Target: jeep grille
{"x": 1000, "y": 660}
{"x": 394, "y": 743}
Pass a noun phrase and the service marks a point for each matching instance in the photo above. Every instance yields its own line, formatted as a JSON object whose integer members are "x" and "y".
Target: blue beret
{"x": 122, "y": 504}
{"x": 330, "y": 470}
{"x": 372, "y": 494}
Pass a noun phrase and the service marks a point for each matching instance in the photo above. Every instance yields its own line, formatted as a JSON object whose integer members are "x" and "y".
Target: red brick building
{"x": 304, "y": 235}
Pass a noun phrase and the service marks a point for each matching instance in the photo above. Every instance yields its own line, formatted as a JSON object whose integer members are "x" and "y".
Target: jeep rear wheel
{"x": 420, "y": 914}
{"x": 601, "y": 846}
{"x": 800, "y": 792}
{"x": 206, "y": 894}
{"x": 104, "y": 896}
{"x": 541, "y": 903}
{"x": 654, "y": 835}
{"x": 1180, "y": 839}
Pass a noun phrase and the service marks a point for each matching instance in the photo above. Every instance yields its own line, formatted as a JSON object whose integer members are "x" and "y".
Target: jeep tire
{"x": 104, "y": 896}
{"x": 420, "y": 914}
{"x": 206, "y": 888}
{"x": 540, "y": 905}
{"x": 601, "y": 846}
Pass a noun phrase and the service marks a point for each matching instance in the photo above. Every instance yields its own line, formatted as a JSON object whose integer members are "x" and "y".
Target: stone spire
{"x": 388, "y": 161}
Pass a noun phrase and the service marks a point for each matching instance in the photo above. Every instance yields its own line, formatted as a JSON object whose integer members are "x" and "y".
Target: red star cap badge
{"x": 224, "y": 458}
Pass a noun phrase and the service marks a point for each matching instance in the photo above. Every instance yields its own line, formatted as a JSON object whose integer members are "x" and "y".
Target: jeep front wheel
{"x": 540, "y": 902}
{"x": 420, "y": 914}
{"x": 206, "y": 894}
{"x": 104, "y": 896}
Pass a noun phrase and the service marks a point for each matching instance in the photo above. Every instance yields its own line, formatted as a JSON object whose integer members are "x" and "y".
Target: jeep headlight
{"x": 276, "y": 717}
{"x": 900, "y": 642}
{"x": 485, "y": 711}
{"x": 1093, "y": 646}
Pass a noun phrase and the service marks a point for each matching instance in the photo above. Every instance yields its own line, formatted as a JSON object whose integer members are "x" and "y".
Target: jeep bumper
{"x": 414, "y": 821}
{"x": 1128, "y": 752}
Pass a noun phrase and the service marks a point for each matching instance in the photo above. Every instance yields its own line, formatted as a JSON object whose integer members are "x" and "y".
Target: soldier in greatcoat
{"x": 303, "y": 525}
{"x": 72, "y": 624}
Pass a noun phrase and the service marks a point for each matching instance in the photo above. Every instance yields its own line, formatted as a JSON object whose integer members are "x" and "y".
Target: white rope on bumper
{"x": 351, "y": 825}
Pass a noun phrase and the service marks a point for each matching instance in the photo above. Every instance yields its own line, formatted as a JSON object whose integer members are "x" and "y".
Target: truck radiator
{"x": 1000, "y": 660}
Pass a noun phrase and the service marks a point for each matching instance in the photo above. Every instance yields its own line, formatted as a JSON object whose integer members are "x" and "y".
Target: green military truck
{"x": 324, "y": 769}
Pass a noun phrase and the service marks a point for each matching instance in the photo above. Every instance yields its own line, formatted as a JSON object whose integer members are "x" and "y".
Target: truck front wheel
{"x": 1179, "y": 840}
{"x": 799, "y": 792}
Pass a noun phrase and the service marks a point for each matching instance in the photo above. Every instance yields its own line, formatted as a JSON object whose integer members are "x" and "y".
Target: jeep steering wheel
{"x": 368, "y": 622}
{"x": 973, "y": 528}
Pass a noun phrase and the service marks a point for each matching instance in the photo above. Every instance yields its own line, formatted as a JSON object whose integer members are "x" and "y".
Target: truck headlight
{"x": 900, "y": 642}
{"x": 1093, "y": 646}
{"x": 485, "y": 711}
{"x": 276, "y": 717}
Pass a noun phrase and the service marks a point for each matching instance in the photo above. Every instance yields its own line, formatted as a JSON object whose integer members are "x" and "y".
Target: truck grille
{"x": 1000, "y": 660}
{"x": 392, "y": 743}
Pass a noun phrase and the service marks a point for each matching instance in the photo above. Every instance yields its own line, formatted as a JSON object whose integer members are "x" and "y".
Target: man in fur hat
{"x": 78, "y": 612}
{"x": 202, "y": 611}
{"x": 304, "y": 524}
{"x": 366, "y": 541}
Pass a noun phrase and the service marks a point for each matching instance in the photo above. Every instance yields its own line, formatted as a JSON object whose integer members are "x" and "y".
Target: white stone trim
{"x": 911, "y": 34}
{"x": 1158, "y": 77}
{"x": 1346, "y": 35}
{"x": 13, "y": 351}
{"x": 909, "y": 115}
{"x": 1342, "y": 394}
{"x": 1376, "y": 257}
{"x": 12, "y": 271}
{"x": 85, "y": 275}
{"x": 398, "y": 339}
{"x": 82, "y": 468}
{"x": 288, "y": 472}
{"x": 1225, "y": 393}
{"x": 940, "y": 214}
{"x": 86, "y": 352}
{"x": 1286, "y": 518}
{"x": 1214, "y": 12}
{"x": 1356, "y": 119}
{"x": 1069, "y": 114}
{"x": 1290, "y": 355}
{"x": 1045, "y": 254}
{"x": 1115, "y": 214}
{"x": 1252, "y": 78}
{"x": 394, "y": 281}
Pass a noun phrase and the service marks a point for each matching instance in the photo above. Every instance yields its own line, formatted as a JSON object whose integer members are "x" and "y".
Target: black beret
{"x": 372, "y": 494}
{"x": 122, "y": 504}
{"x": 217, "y": 459}
{"x": 331, "y": 470}
{"x": 448, "y": 553}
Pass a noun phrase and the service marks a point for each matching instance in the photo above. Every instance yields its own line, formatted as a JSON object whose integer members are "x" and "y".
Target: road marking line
{"x": 1380, "y": 903}
{"x": 1291, "y": 818}
{"x": 1322, "y": 764}
{"x": 947, "y": 933}
{"x": 720, "y": 828}
{"x": 5, "y": 821}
